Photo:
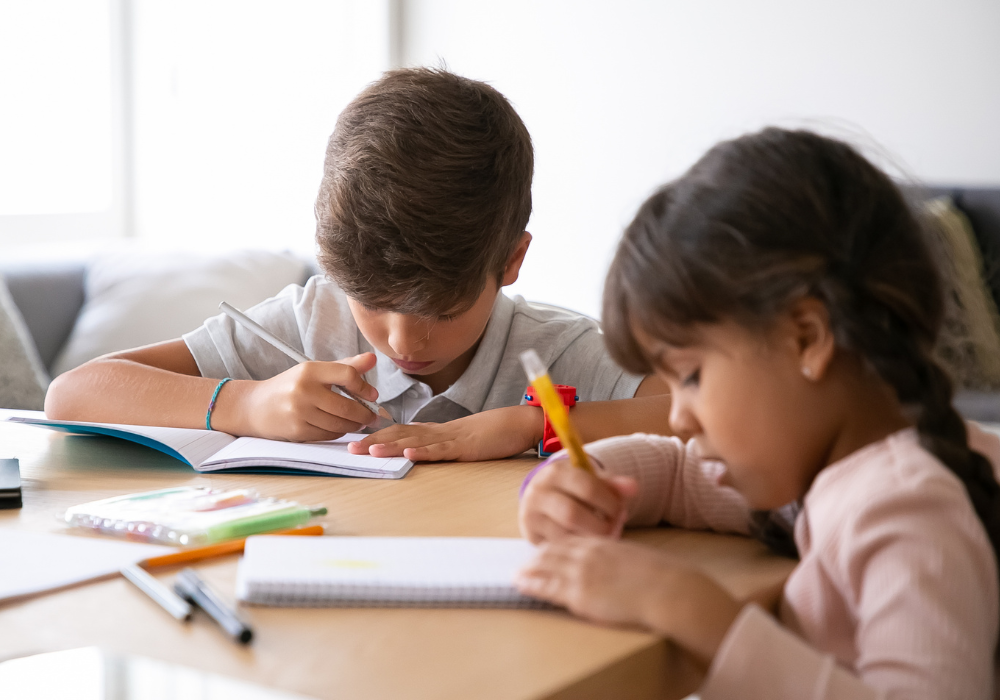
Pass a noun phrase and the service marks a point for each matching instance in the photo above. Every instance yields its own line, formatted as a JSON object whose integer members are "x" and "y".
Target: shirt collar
{"x": 473, "y": 387}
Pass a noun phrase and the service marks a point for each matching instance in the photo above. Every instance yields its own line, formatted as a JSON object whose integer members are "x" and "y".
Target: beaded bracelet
{"x": 211, "y": 404}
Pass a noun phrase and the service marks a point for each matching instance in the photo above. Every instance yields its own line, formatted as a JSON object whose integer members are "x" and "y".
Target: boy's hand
{"x": 562, "y": 500}
{"x": 298, "y": 404}
{"x": 495, "y": 434}
{"x": 616, "y": 582}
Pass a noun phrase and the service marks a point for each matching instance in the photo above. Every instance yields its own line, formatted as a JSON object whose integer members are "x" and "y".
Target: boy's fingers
{"x": 396, "y": 433}
{"x": 347, "y": 374}
{"x": 332, "y": 425}
{"x": 393, "y": 438}
{"x": 334, "y": 404}
{"x": 362, "y": 363}
{"x": 438, "y": 452}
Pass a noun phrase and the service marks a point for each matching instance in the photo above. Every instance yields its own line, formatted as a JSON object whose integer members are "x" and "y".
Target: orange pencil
{"x": 219, "y": 550}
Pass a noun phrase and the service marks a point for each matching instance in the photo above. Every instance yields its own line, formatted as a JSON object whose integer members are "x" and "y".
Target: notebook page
{"x": 33, "y": 562}
{"x": 194, "y": 446}
{"x": 397, "y": 569}
{"x": 332, "y": 452}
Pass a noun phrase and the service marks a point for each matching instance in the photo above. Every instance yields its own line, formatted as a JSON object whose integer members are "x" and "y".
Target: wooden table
{"x": 355, "y": 653}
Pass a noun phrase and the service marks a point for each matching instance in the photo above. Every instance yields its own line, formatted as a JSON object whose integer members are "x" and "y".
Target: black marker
{"x": 190, "y": 587}
{"x": 10, "y": 483}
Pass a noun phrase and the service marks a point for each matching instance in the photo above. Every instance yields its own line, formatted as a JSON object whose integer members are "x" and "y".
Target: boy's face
{"x": 423, "y": 346}
{"x": 438, "y": 350}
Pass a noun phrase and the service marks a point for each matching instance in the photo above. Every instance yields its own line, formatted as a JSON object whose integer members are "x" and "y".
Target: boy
{"x": 421, "y": 212}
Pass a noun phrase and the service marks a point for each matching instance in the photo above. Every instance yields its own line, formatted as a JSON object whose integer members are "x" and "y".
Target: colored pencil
{"x": 219, "y": 550}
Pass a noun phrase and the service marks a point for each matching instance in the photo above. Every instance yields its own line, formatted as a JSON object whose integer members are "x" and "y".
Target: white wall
{"x": 233, "y": 103}
{"x": 622, "y": 96}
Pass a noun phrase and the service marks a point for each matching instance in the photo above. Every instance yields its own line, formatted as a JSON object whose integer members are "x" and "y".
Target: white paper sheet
{"x": 34, "y": 562}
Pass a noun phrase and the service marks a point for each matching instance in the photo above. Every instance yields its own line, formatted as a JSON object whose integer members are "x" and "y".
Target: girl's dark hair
{"x": 768, "y": 218}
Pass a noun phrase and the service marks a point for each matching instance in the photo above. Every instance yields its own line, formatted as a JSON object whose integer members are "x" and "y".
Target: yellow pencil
{"x": 555, "y": 409}
{"x": 217, "y": 550}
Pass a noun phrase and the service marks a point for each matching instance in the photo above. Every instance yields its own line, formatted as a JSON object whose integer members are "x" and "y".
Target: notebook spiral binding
{"x": 284, "y": 594}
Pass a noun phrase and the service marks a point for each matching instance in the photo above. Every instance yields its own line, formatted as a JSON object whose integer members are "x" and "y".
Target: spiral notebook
{"x": 383, "y": 572}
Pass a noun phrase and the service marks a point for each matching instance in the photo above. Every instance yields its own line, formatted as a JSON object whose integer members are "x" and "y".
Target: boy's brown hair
{"x": 426, "y": 191}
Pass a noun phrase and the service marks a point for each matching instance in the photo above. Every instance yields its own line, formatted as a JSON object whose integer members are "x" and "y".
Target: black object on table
{"x": 10, "y": 483}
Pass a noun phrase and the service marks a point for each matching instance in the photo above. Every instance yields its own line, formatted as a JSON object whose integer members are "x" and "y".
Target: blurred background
{"x": 202, "y": 124}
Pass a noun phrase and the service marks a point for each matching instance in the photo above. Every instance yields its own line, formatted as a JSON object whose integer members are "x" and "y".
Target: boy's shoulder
{"x": 318, "y": 295}
{"x": 569, "y": 343}
{"x": 530, "y": 316}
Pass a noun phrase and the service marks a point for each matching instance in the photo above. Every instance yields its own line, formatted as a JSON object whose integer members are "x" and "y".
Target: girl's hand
{"x": 562, "y": 500}
{"x": 614, "y": 582}
{"x": 495, "y": 434}
{"x": 298, "y": 404}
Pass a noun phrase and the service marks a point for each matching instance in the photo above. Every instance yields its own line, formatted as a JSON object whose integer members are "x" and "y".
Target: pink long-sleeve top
{"x": 895, "y": 594}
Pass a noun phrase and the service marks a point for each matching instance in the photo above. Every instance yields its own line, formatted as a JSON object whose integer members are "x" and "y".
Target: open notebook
{"x": 383, "y": 571}
{"x": 211, "y": 450}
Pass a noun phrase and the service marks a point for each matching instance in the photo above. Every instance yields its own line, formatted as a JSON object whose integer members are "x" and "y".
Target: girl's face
{"x": 744, "y": 398}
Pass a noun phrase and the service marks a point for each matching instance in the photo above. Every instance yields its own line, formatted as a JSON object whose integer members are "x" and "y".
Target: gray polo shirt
{"x": 317, "y": 320}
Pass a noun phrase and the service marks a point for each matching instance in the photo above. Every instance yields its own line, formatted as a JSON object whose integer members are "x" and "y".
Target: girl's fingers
{"x": 542, "y": 585}
{"x": 538, "y": 527}
{"x": 626, "y": 486}
{"x": 591, "y": 491}
{"x": 573, "y": 516}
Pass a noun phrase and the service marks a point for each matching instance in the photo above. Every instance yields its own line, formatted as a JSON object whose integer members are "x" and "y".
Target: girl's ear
{"x": 814, "y": 337}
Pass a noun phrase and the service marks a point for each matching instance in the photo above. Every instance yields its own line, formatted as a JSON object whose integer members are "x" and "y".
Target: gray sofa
{"x": 50, "y": 295}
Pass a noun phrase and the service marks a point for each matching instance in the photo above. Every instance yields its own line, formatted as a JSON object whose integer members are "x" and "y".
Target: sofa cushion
{"x": 982, "y": 207}
{"x": 49, "y": 296}
{"x": 22, "y": 377}
{"x": 138, "y": 297}
{"x": 969, "y": 341}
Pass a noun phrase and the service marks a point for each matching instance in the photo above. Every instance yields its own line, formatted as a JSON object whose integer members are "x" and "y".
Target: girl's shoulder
{"x": 886, "y": 484}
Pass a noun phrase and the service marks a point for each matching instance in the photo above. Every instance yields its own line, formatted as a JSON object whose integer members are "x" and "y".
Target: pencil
{"x": 218, "y": 550}
{"x": 284, "y": 347}
{"x": 555, "y": 409}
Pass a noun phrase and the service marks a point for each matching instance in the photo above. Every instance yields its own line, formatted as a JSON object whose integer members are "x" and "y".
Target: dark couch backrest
{"x": 49, "y": 297}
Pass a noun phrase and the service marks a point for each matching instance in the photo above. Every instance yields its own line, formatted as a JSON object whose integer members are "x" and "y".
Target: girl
{"x": 783, "y": 289}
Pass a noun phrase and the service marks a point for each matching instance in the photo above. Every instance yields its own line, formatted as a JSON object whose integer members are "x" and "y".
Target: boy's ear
{"x": 516, "y": 258}
{"x": 813, "y": 336}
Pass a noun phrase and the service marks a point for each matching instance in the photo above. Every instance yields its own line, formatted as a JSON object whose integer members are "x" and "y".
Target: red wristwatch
{"x": 550, "y": 441}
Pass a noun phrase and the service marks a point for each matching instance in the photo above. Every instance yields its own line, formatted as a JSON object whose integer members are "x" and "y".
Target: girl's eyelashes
{"x": 692, "y": 379}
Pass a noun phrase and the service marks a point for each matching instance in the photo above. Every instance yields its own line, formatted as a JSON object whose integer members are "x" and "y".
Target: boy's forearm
{"x": 116, "y": 390}
{"x": 600, "y": 419}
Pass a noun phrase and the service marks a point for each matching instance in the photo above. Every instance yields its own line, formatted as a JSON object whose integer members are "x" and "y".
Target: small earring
{"x": 807, "y": 372}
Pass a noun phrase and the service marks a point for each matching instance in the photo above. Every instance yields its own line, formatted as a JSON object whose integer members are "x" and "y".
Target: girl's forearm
{"x": 693, "y": 610}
